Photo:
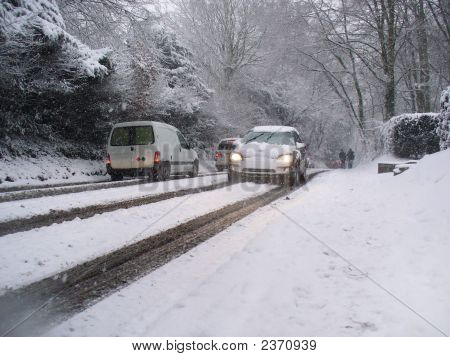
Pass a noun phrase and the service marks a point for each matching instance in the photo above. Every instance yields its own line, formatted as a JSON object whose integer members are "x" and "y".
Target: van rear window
{"x": 132, "y": 135}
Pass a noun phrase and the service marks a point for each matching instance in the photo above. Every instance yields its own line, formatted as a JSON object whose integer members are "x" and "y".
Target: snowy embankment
{"x": 51, "y": 169}
{"x": 45, "y": 170}
{"x": 44, "y": 205}
{"x": 353, "y": 253}
{"x": 33, "y": 255}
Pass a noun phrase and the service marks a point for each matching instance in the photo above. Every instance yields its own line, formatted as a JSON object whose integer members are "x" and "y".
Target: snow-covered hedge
{"x": 412, "y": 135}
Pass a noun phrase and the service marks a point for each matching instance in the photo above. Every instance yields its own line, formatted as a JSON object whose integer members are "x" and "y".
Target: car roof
{"x": 229, "y": 139}
{"x": 274, "y": 128}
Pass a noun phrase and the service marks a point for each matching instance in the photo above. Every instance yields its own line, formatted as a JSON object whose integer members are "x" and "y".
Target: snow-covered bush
{"x": 444, "y": 119}
{"x": 412, "y": 135}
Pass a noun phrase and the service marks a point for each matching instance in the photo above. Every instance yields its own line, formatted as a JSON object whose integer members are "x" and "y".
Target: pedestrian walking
{"x": 350, "y": 158}
{"x": 342, "y": 157}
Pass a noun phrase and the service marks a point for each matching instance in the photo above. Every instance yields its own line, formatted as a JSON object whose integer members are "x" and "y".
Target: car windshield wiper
{"x": 271, "y": 134}
{"x": 256, "y": 137}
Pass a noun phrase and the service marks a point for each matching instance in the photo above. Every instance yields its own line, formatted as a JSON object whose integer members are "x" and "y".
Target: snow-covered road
{"x": 30, "y": 256}
{"x": 352, "y": 253}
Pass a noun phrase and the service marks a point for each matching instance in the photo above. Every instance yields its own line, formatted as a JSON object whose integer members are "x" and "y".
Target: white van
{"x": 149, "y": 148}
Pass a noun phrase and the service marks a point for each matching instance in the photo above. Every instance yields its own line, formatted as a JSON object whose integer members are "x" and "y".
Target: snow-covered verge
{"x": 33, "y": 255}
{"x": 353, "y": 253}
{"x": 51, "y": 169}
{"x": 37, "y": 162}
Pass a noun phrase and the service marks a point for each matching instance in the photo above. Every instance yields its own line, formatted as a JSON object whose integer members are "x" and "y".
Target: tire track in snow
{"x": 21, "y": 193}
{"x": 37, "y": 221}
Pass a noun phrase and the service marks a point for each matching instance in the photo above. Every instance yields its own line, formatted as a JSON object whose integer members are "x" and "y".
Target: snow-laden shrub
{"x": 444, "y": 119}
{"x": 412, "y": 135}
{"x": 36, "y": 49}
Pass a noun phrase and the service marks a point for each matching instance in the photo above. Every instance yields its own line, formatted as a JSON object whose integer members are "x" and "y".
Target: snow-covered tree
{"x": 222, "y": 33}
{"x": 41, "y": 62}
{"x": 158, "y": 79}
{"x": 37, "y": 52}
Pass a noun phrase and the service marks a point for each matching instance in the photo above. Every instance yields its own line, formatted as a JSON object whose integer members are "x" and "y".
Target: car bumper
{"x": 220, "y": 164}
{"x": 245, "y": 170}
{"x": 130, "y": 172}
{"x": 260, "y": 175}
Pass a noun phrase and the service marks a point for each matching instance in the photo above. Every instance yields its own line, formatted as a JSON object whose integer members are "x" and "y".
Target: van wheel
{"x": 162, "y": 173}
{"x": 116, "y": 177}
{"x": 194, "y": 172}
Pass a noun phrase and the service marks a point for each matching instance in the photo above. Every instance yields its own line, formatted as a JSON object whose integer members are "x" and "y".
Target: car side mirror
{"x": 300, "y": 146}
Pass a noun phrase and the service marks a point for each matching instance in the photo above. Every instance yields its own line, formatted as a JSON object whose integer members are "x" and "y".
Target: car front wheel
{"x": 232, "y": 177}
{"x": 303, "y": 177}
{"x": 294, "y": 177}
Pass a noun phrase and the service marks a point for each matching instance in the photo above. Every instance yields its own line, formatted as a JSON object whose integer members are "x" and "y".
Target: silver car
{"x": 222, "y": 154}
{"x": 270, "y": 152}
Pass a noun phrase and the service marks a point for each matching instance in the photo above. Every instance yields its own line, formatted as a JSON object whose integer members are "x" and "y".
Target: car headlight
{"x": 285, "y": 159}
{"x": 236, "y": 157}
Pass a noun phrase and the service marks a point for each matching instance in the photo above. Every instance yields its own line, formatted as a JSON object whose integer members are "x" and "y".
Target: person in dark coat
{"x": 342, "y": 157}
{"x": 350, "y": 158}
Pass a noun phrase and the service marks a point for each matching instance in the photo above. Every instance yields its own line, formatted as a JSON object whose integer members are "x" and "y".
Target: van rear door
{"x": 128, "y": 145}
{"x": 141, "y": 140}
{"x": 119, "y": 148}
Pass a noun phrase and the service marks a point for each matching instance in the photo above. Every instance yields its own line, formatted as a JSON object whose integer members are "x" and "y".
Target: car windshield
{"x": 132, "y": 135}
{"x": 277, "y": 138}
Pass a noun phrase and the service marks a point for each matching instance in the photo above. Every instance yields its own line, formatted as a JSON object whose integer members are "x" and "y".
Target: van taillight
{"x": 157, "y": 158}
{"x": 108, "y": 159}
{"x": 218, "y": 155}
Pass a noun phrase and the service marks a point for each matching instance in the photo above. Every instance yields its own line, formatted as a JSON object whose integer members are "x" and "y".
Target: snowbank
{"x": 44, "y": 170}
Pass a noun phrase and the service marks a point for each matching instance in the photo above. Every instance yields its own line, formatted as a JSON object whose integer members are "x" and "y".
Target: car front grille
{"x": 256, "y": 171}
